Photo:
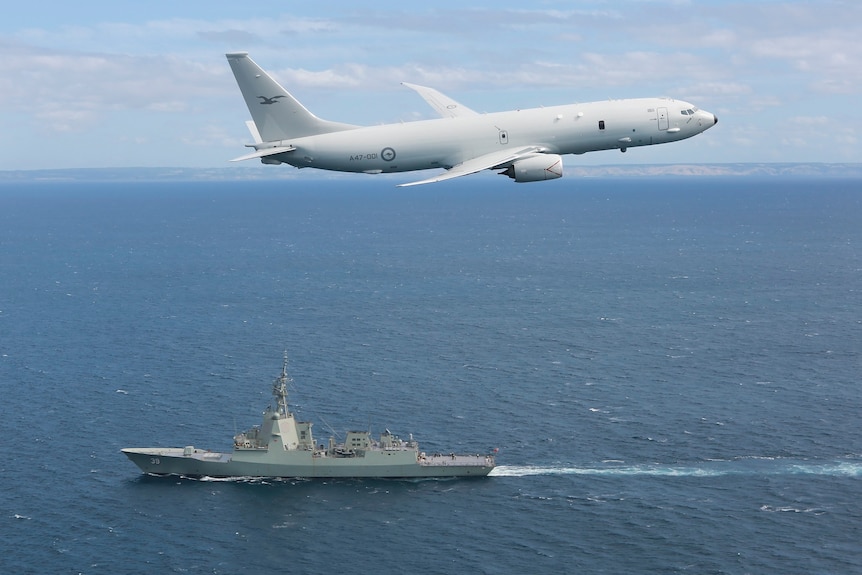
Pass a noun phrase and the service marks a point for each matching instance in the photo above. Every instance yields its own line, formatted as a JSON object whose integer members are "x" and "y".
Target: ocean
{"x": 669, "y": 368}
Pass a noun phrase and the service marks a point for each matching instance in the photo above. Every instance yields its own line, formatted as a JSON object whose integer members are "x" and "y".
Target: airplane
{"x": 526, "y": 145}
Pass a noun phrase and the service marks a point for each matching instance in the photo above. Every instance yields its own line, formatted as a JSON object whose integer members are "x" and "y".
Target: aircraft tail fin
{"x": 276, "y": 114}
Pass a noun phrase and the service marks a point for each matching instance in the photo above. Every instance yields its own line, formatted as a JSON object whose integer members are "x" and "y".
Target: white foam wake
{"x": 712, "y": 469}
{"x": 528, "y": 470}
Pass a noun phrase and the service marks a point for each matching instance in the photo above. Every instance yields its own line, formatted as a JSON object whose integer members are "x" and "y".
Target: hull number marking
{"x": 386, "y": 154}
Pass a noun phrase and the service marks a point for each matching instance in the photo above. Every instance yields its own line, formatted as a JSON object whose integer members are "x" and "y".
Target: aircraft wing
{"x": 478, "y": 164}
{"x": 445, "y": 106}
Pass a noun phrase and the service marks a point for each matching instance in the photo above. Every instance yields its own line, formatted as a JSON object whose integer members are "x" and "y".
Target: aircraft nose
{"x": 714, "y": 119}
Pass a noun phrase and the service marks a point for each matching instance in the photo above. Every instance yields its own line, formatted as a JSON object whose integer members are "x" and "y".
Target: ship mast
{"x": 279, "y": 390}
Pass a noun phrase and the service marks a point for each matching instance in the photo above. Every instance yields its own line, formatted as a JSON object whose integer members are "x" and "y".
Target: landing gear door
{"x": 662, "y": 118}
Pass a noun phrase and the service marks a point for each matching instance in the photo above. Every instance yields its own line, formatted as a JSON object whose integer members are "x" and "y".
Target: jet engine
{"x": 535, "y": 168}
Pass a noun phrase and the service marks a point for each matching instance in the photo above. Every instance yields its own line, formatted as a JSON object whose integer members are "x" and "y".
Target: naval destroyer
{"x": 284, "y": 447}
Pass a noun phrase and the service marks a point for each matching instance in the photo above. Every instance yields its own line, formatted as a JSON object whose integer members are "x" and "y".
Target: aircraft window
{"x": 685, "y": 112}
{"x": 601, "y": 124}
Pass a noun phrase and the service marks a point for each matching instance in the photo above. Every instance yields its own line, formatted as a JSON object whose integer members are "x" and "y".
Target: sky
{"x": 145, "y": 84}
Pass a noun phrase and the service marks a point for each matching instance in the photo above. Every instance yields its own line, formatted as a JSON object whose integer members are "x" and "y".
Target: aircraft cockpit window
{"x": 689, "y": 112}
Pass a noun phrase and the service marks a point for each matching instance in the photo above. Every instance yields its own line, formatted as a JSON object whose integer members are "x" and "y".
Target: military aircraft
{"x": 524, "y": 145}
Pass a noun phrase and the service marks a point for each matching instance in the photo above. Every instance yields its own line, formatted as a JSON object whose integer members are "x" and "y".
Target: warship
{"x": 283, "y": 447}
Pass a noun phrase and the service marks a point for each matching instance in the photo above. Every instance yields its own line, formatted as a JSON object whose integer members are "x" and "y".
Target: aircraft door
{"x": 662, "y": 119}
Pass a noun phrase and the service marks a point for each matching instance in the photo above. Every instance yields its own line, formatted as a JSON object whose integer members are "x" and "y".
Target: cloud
{"x": 815, "y": 121}
{"x": 820, "y": 132}
{"x": 348, "y": 77}
{"x": 62, "y": 119}
{"x": 67, "y": 91}
{"x": 834, "y": 58}
{"x": 231, "y": 36}
{"x": 767, "y": 64}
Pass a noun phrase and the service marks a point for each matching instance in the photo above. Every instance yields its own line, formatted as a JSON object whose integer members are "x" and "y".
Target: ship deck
{"x": 199, "y": 454}
{"x": 438, "y": 460}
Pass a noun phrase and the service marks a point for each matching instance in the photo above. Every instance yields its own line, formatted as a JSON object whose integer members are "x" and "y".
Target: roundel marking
{"x": 388, "y": 154}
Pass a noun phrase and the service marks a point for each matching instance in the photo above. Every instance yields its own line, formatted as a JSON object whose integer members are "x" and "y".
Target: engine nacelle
{"x": 536, "y": 168}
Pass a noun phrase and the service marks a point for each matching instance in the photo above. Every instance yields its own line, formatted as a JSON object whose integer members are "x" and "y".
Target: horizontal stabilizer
{"x": 264, "y": 153}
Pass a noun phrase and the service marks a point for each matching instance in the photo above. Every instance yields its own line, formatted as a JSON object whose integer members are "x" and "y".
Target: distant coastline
{"x": 262, "y": 173}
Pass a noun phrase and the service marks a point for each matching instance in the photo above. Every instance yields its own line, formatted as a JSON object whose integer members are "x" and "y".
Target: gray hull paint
{"x": 284, "y": 447}
{"x": 200, "y": 463}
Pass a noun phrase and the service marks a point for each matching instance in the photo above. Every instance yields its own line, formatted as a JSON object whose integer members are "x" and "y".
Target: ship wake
{"x": 709, "y": 469}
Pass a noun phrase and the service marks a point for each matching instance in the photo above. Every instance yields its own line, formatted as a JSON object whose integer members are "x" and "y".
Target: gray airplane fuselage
{"x": 527, "y": 144}
{"x": 446, "y": 142}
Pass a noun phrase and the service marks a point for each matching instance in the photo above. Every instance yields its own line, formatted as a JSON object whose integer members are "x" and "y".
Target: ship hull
{"x": 192, "y": 462}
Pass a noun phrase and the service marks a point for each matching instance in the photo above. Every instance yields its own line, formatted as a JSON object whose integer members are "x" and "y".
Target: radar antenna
{"x": 279, "y": 390}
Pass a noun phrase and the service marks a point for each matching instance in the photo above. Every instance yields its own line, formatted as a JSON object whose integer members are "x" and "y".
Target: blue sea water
{"x": 670, "y": 369}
